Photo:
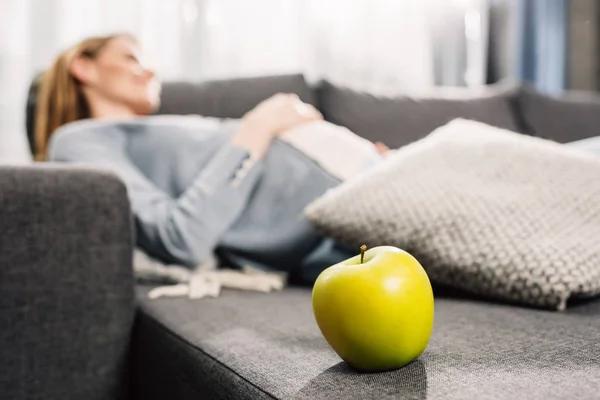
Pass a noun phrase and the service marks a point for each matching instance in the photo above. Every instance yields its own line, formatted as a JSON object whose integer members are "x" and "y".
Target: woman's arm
{"x": 183, "y": 230}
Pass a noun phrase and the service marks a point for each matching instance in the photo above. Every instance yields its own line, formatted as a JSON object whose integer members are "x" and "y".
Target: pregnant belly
{"x": 272, "y": 227}
{"x": 335, "y": 149}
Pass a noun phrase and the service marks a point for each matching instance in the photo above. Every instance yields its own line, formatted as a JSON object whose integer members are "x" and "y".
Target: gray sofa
{"x": 66, "y": 284}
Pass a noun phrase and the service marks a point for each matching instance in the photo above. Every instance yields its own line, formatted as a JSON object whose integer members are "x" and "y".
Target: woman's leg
{"x": 328, "y": 253}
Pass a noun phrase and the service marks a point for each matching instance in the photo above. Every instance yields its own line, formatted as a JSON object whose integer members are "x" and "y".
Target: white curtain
{"x": 380, "y": 46}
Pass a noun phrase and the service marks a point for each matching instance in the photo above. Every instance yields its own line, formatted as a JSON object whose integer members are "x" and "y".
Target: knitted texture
{"x": 484, "y": 210}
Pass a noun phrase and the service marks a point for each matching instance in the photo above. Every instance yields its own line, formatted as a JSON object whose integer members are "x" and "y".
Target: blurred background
{"x": 386, "y": 47}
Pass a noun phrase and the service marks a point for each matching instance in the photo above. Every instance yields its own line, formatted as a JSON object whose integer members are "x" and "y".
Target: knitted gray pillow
{"x": 484, "y": 210}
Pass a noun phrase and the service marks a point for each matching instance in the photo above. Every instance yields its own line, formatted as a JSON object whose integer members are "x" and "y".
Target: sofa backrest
{"x": 30, "y": 112}
{"x": 230, "y": 98}
{"x": 571, "y": 116}
{"x": 395, "y": 121}
{"x": 400, "y": 120}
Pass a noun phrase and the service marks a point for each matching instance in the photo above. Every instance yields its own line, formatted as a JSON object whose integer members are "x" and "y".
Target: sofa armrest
{"x": 66, "y": 284}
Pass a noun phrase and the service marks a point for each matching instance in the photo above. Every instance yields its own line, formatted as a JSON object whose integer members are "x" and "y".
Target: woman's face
{"x": 117, "y": 75}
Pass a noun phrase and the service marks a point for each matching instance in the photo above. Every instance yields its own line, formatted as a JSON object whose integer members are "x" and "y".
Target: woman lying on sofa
{"x": 198, "y": 186}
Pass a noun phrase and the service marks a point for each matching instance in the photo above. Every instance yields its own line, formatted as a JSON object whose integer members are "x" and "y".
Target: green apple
{"x": 376, "y": 309}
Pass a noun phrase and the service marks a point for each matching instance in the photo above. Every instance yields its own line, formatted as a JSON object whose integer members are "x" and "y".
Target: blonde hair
{"x": 60, "y": 98}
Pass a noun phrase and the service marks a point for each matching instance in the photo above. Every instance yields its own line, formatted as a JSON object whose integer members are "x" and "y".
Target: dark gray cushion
{"x": 66, "y": 285}
{"x": 249, "y": 345}
{"x": 401, "y": 120}
{"x": 230, "y": 98}
{"x": 30, "y": 112}
{"x": 572, "y": 116}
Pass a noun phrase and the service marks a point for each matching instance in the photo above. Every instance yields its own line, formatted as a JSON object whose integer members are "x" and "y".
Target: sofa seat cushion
{"x": 247, "y": 345}
{"x": 401, "y": 120}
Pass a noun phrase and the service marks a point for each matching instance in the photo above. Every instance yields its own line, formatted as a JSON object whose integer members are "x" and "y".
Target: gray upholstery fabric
{"x": 165, "y": 366}
{"x": 250, "y": 345}
{"x": 483, "y": 209}
{"x": 66, "y": 286}
{"x": 229, "y": 98}
{"x": 572, "y": 116}
{"x": 401, "y": 120}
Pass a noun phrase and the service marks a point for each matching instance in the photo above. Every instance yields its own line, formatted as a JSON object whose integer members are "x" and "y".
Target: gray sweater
{"x": 194, "y": 193}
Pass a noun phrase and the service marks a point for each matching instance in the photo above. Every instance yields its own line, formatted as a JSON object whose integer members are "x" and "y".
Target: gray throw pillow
{"x": 397, "y": 121}
{"x": 484, "y": 210}
{"x": 568, "y": 117}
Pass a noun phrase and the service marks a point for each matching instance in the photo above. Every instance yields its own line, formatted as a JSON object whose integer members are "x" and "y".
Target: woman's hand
{"x": 282, "y": 112}
{"x": 270, "y": 118}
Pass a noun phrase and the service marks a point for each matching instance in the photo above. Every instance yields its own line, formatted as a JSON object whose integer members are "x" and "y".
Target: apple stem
{"x": 363, "y": 248}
